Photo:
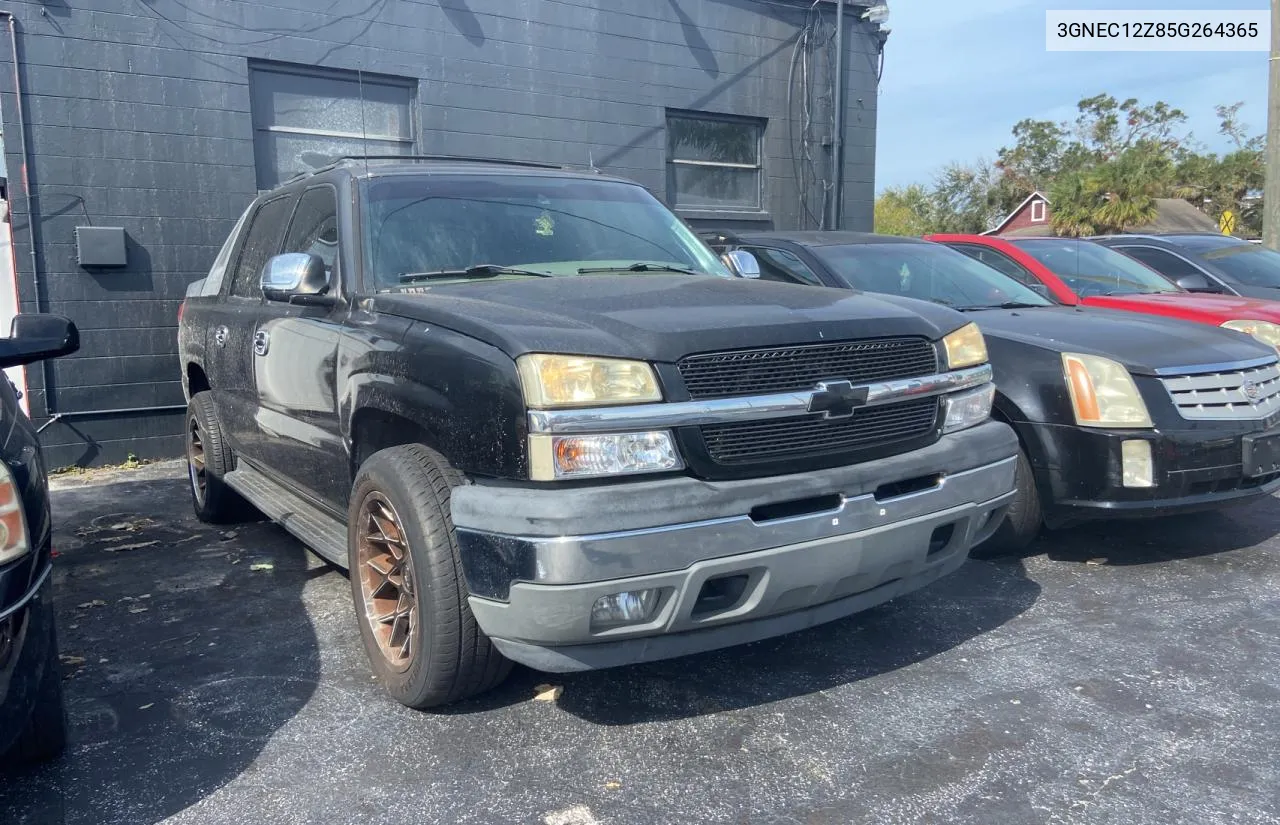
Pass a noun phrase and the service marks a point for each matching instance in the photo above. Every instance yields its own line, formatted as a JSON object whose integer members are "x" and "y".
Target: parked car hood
{"x": 660, "y": 317}
{"x": 1206, "y": 309}
{"x": 1144, "y": 344}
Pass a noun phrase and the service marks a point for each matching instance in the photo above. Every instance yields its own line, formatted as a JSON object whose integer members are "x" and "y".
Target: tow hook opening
{"x": 940, "y": 538}
{"x": 720, "y": 594}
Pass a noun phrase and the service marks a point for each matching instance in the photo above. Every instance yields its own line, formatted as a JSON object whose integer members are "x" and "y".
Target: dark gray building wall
{"x": 138, "y": 115}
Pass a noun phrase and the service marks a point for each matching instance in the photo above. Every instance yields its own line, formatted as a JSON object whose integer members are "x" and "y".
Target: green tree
{"x": 904, "y": 211}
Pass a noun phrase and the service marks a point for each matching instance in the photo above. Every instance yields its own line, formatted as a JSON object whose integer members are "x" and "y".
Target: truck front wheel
{"x": 407, "y": 582}
{"x": 1024, "y": 521}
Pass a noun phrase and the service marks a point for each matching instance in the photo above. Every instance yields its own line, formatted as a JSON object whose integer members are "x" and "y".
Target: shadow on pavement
{"x": 978, "y": 598}
{"x": 185, "y": 648}
{"x": 1152, "y": 541}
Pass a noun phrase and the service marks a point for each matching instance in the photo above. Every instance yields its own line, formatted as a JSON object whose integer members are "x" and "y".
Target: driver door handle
{"x": 261, "y": 342}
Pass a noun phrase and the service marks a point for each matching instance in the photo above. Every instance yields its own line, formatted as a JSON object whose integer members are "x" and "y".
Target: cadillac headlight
{"x": 965, "y": 347}
{"x": 554, "y": 457}
{"x": 1103, "y": 393}
{"x": 1265, "y": 331}
{"x": 574, "y": 381}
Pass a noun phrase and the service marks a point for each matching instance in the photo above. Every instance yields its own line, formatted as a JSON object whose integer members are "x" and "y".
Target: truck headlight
{"x": 1265, "y": 331}
{"x": 13, "y": 525}
{"x": 965, "y": 347}
{"x": 1103, "y": 393}
{"x": 968, "y": 409}
{"x": 553, "y": 457}
{"x": 576, "y": 381}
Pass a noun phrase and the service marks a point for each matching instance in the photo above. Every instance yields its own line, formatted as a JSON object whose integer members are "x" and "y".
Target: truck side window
{"x": 315, "y": 228}
{"x": 779, "y": 265}
{"x": 260, "y": 243}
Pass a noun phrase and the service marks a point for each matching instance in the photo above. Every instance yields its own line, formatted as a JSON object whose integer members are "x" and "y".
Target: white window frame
{"x": 1034, "y": 204}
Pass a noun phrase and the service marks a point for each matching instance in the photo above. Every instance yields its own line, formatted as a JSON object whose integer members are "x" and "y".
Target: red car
{"x": 1074, "y": 272}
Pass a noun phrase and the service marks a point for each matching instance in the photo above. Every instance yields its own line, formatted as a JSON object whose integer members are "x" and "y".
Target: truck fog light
{"x": 582, "y": 456}
{"x": 630, "y": 607}
{"x": 1135, "y": 460}
{"x": 967, "y": 409}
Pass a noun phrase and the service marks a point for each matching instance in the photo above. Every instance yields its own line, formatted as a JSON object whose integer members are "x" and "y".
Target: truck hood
{"x": 1205, "y": 309}
{"x": 1144, "y": 344}
{"x": 659, "y": 317}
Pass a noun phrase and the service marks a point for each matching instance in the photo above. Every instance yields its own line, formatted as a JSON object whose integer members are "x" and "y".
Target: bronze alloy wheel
{"x": 196, "y": 461}
{"x": 386, "y": 580}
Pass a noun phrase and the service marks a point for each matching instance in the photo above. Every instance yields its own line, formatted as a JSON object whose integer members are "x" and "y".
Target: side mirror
{"x": 37, "y": 336}
{"x": 1195, "y": 282}
{"x": 294, "y": 274}
{"x": 742, "y": 263}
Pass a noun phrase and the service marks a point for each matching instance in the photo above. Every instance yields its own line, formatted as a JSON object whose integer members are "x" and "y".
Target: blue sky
{"x": 959, "y": 73}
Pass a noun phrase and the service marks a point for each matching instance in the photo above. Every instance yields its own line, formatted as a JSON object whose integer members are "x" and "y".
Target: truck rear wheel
{"x": 209, "y": 458}
{"x": 407, "y": 582}
{"x": 1023, "y": 522}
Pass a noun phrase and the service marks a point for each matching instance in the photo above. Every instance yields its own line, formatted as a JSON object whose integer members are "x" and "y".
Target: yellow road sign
{"x": 1227, "y": 223}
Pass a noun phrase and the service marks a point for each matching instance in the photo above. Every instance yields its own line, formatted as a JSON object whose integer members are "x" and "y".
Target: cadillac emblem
{"x": 1250, "y": 390}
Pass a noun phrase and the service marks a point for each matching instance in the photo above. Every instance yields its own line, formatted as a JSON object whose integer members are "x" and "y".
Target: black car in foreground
{"x": 1205, "y": 262}
{"x": 32, "y": 722}
{"x": 539, "y": 421}
{"x": 1117, "y": 414}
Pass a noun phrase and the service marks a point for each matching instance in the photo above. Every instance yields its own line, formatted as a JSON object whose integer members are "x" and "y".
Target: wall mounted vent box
{"x": 100, "y": 246}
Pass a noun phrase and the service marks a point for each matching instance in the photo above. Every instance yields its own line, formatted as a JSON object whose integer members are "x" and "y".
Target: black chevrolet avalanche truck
{"x": 538, "y": 421}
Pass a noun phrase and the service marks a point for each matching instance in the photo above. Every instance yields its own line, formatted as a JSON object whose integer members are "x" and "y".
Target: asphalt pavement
{"x": 1125, "y": 673}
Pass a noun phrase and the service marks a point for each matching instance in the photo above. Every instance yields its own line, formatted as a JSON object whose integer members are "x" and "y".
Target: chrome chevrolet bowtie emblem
{"x": 1250, "y": 390}
{"x": 836, "y": 399}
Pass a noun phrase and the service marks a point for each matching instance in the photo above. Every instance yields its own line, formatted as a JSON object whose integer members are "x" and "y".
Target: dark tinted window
{"x": 315, "y": 227}
{"x": 779, "y": 265}
{"x": 1166, "y": 263}
{"x": 262, "y": 240}
{"x": 1248, "y": 263}
{"x": 1092, "y": 269}
{"x": 927, "y": 271}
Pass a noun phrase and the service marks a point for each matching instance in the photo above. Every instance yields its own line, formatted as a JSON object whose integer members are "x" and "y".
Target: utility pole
{"x": 1271, "y": 195}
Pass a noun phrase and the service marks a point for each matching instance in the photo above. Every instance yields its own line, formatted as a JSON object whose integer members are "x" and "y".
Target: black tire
{"x": 209, "y": 458}
{"x": 451, "y": 658}
{"x": 45, "y": 735}
{"x": 1022, "y": 523}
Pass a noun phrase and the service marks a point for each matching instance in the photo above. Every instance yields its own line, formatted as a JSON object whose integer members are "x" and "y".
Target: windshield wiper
{"x": 640, "y": 266}
{"x": 1005, "y": 305}
{"x": 477, "y": 271}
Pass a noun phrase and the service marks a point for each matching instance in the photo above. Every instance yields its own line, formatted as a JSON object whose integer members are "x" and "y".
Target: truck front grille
{"x": 1241, "y": 395}
{"x": 787, "y": 369}
{"x": 757, "y": 441}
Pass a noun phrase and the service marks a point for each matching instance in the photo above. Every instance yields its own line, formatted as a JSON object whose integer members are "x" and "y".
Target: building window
{"x": 713, "y": 162}
{"x": 304, "y": 118}
{"x": 1037, "y": 211}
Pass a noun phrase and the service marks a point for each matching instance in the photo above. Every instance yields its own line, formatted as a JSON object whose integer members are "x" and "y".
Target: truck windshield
{"x": 1092, "y": 269}
{"x": 420, "y": 228}
{"x": 927, "y": 271}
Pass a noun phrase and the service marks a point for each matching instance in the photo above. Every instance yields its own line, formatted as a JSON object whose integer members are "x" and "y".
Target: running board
{"x": 324, "y": 534}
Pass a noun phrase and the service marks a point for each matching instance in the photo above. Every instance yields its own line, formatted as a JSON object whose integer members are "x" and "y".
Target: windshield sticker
{"x": 545, "y": 225}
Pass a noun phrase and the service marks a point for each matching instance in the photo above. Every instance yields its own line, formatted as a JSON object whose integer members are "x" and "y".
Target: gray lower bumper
{"x": 873, "y": 545}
